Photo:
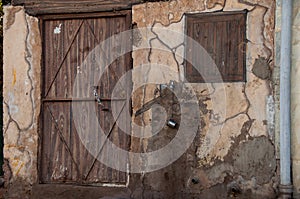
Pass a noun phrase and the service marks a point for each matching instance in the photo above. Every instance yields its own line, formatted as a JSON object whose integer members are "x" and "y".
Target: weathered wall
{"x": 21, "y": 92}
{"x": 235, "y": 145}
{"x": 233, "y": 153}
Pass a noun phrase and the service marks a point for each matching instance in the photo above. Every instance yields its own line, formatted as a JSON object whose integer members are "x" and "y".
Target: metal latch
{"x": 96, "y": 95}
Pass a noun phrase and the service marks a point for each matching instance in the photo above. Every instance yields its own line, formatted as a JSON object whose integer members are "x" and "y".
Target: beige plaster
{"x": 21, "y": 72}
{"x": 237, "y": 95}
{"x": 233, "y": 112}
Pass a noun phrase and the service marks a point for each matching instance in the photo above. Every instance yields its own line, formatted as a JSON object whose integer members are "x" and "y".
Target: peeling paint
{"x": 57, "y": 29}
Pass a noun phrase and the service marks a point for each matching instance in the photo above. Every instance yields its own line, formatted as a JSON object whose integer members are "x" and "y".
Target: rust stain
{"x": 15, "y": 163}
{"x": 14, "y": 77}
{"x": 14, "y": 146}
{"x": 20, "y": 167}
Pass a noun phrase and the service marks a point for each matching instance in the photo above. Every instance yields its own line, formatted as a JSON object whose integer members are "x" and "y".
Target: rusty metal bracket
{"x": 164, "y": 90}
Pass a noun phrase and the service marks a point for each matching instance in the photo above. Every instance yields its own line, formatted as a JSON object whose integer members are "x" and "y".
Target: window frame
{"x": 194, "y": 18}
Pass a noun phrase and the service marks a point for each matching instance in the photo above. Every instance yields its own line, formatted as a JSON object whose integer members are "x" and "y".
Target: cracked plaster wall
{"x": 235, "y": 117}
{"x": 21, "y": 93}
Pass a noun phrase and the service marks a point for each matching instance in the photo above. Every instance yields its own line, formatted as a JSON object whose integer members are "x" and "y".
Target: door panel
{"x": 67, "y": 43}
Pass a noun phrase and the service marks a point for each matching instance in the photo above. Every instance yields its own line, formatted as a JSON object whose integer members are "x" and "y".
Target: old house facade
{"x": 212, "y": 68}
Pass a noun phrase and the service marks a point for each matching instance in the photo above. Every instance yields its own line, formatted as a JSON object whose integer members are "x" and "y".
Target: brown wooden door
{"x": 68, "y": 40}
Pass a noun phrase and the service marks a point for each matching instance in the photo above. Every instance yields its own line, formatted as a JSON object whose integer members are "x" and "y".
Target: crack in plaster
{"x": 27, "y": 60}
{"x": 143, "y": 184}
{"x": 172, "y": 50}
{"x": 18, "y": 144}
{"x": 11, "y": 120}
{"x": 26, "y": 160}
{"x": 28, "y": 56}
{"x": 208, "y": 94}
{"x": 214, "y": 5}
{"x": 255, "y": 5}
{"x": 242, "y": 112}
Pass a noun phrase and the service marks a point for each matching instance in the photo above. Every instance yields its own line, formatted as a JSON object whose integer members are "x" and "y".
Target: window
{"x": 223, "y": 36}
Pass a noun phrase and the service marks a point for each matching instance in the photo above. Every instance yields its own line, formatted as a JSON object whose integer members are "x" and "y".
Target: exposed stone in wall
{"x": 255, "y": 158}
{"x": 21, "y": 99}
{"x": 239, "y": 170}
{"x": 261, "y": 68}
{"x": 234, "y": 118}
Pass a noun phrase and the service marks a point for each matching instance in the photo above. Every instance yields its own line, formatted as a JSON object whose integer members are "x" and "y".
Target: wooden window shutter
{"x": 223, "y": 36}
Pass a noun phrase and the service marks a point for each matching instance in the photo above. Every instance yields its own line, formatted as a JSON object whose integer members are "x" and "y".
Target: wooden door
{"x": 68, "y": 40}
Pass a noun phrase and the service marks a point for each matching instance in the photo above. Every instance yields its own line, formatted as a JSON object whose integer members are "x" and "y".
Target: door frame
{"x": 101, "y": 186}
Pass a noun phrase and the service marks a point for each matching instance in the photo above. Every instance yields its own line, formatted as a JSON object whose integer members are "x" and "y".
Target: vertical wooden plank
{"x": 208, "y": 69}
{"x": 123, "y": 121}
{"x": 64, "y": 124}
{"x": 45, "y": 157}
{"x": 88, "y": 44}
{"x": 222, "y": 51}
{"x": 53, "y": 53}
{"x": 221, "y": 45}
{"x": 107, "y": 123}
{"x": 188, "y": 47}
{"x": 216, "y": 41}
{"x": 70, "y": 63}
{"x": 55, "y": 149}
{"x": 76, "y": 149}
{"x": 232, "y": 49}
{"x": 197, "y": 32}
{"x": 121, "y": 138}
{"x": 242, "y": 47}
{"x": 113, "y": 74}
{"x": 228, "y": 48}
{"x": 104, "y": 33}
